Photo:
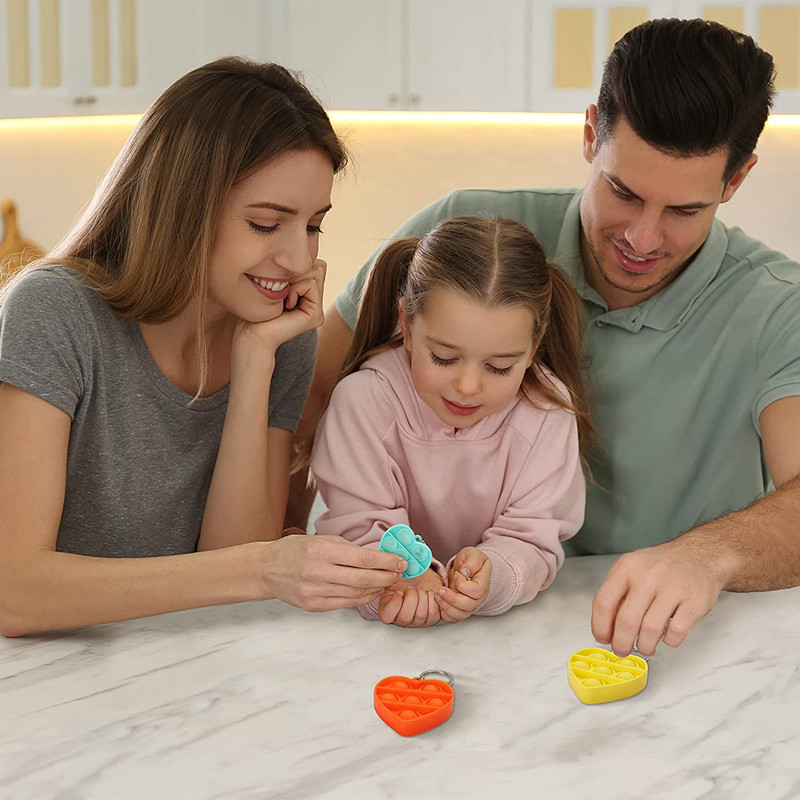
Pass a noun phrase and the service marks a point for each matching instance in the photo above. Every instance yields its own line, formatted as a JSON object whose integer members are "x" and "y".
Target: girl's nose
{"x": 468, "y": 381}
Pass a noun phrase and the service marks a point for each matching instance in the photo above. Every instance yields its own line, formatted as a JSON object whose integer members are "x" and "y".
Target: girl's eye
{"x": 441, "y": 362}
{"x": 314, "y": 229}
{"x": 262, "y": 228}
{"x": 683, "y": 213}
{"x": 498, "y": 370}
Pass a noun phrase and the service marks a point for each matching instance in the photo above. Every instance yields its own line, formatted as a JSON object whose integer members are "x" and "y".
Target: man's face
{"x": 644, "y": 214}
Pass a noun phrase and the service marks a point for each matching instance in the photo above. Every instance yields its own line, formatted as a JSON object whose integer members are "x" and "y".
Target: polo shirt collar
{"x": 664, "y": 310}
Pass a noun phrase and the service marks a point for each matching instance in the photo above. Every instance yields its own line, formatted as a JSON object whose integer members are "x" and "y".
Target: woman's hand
{"x": 320, "y": 573}
{"x": 469, "y": 581}
{"x": 411, "y": 603}
{"x": 302, "y": 311}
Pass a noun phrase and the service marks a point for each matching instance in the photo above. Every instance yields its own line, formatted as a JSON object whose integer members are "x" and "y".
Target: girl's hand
{"x": 411, "y": 603}
{"x": 469, "y": 581}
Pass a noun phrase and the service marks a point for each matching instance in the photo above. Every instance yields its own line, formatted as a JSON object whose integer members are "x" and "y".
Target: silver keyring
{"x": 448, "y": 678}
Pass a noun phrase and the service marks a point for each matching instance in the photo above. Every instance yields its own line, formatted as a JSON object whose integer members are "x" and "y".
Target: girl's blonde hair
{"x": 496, "y": 262}
{"x": 144, "y": 241}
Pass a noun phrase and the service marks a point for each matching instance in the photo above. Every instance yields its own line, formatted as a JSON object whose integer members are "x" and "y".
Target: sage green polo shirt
{"x": 677, "y": 382}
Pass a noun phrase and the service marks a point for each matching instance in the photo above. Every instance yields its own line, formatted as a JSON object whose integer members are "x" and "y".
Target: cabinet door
{"x": 86, "y": 56}
{"x": 570, "y": 40}
{"x": 349, "y": 51}
{"x": 467, "y": 55}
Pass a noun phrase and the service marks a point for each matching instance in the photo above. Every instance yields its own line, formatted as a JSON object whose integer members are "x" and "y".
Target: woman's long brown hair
{"x": 144, "y": 241}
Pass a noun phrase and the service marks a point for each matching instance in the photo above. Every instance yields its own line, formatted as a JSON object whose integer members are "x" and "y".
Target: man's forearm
{"x": 756, "y": 549}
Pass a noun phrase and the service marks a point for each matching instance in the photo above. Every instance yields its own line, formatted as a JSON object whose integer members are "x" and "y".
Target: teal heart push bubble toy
{"x": 402, "y": 541}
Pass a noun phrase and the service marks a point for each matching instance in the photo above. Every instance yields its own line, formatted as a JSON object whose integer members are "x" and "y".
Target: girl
{"x": 152, "y": 370}
{"x": 461, "y": 412}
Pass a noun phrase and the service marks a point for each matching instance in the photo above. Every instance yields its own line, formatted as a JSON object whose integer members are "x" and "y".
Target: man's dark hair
{"x": 688, "y": 88}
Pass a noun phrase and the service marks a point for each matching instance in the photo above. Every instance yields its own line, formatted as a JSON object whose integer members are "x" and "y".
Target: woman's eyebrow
{"x": 286, "y": 209}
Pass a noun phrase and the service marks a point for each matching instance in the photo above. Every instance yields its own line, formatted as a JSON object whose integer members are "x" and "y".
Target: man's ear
{"x": 737, "y": 179}
{"x": 590, "y": 133}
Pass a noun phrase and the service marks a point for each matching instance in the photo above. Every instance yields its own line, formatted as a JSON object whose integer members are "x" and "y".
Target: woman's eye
{"x": 262, "y": 228}
{"x": 314, "y": 229}
{"x": 498, "y": 370}
{"x": 441, "y": 362}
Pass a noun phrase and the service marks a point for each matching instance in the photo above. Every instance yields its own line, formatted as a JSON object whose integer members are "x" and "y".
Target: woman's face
{"x": 268, "y": 235}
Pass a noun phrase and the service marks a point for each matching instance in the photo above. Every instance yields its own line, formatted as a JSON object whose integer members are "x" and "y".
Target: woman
{"x": 154, "y": 366}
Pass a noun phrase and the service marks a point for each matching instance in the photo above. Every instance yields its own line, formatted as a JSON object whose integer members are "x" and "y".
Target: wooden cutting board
{"x": 15, "y": 249}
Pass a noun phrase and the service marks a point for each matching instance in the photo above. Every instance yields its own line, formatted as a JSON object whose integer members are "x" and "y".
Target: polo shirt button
{"x": 600, "y": 323}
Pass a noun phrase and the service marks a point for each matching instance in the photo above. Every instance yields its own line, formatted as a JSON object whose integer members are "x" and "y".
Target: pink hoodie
{"x": 511, "y": 484}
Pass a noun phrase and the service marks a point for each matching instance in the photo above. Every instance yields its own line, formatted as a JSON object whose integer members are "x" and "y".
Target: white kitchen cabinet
{"x": 67, "y": 57}
{"x": 351, "y": 52}
{"x": 84, "y": 56}
{"x": 455, "y": 55}
{"x": 467, "y": 55}
{"x": 73, "y": 57}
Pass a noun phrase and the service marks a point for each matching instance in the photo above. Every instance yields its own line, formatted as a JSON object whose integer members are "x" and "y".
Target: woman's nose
{"x": 297, "y": 254}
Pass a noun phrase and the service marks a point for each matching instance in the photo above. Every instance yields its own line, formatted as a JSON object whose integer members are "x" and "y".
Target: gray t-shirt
{"x": 140, "y": 457}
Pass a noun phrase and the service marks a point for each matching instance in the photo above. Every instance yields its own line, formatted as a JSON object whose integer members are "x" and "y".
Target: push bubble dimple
{"x": 599, "y": 676}
{"x": 402, "y": 541}
{"x": 414, "y": 705}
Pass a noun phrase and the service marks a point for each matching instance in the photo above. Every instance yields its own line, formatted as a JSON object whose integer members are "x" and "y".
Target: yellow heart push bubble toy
{"x": 597, "y": 675}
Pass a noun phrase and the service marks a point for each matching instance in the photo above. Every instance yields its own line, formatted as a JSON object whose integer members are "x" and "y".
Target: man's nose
{"x": 643, "y": 233}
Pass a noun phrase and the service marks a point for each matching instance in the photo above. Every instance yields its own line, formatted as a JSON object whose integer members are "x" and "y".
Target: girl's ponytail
{"x": 377, "y": 325}
{"x": 561, "y": 350}
{"x": 378, "y": 315}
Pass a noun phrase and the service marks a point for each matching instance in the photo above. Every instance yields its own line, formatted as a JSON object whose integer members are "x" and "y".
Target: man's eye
{"x": 622, "y": 195}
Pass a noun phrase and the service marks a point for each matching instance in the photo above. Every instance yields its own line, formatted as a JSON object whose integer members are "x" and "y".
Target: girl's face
{"x": 268, "y": 235}
{"x": 467, "y": 360}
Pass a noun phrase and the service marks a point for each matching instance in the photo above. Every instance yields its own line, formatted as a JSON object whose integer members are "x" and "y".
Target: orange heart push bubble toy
{"x": 414, "y": 705}
{"x": 597, "y": 675}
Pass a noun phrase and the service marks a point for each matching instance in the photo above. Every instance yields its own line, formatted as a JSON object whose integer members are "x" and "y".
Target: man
{"x": 693, "y": 333}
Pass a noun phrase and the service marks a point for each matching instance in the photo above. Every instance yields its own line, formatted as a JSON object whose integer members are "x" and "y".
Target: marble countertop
{"x": 263, "y": 700}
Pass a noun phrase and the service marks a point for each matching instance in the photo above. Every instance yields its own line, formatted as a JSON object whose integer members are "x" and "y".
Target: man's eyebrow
{"x": 453, "y": 347}
{"x": 286, "y": 209}
{"x": 619, "y": 184}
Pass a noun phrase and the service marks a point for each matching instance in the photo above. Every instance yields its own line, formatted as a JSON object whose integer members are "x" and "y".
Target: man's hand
{"x": 673, "y": 583}
{"x": 411, "y": 603}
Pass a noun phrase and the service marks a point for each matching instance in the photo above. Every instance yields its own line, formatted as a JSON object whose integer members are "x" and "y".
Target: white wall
{"x": 50, "y": 168}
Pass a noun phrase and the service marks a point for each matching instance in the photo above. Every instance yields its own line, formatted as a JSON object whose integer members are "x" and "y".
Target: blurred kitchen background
{"x": 431, "y": 95}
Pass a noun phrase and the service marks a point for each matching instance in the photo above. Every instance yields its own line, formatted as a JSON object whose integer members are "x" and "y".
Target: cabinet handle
{"x": 413, "y": 99}
{"x": 392, "y": 99}
{"x": 84, "y": 100}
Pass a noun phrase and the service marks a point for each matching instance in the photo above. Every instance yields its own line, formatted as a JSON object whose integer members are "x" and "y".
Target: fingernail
{"x": 402, "y": 566}
{"x": 442, "y": 592}
{"x": 465, "y": 573}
